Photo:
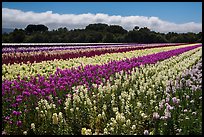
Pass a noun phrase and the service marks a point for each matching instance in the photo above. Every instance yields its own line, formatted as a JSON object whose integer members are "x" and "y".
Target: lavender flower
{"x": 155, "y": 115}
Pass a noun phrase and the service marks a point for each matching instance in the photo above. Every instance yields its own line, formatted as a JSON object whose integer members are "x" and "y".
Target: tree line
{"x": 96, "y": 33}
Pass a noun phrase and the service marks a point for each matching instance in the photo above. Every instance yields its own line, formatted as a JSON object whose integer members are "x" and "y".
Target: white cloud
{"x": 13, "y": 18}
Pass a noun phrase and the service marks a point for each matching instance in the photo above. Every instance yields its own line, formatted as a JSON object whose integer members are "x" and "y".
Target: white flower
{"x": 122, "y": 119}
{"x": 144, "y": 115}
{"x": 105, "y": 131}
{"x": 133, "y": 127}
{"x": 77, "y": 108}
{"x": 167, "y": 114}
{"x": 94, "y": 101}
{"x": 103, "y": 114}
{"x": 178, "y": 130}
{"x": 187, "y": 96}
{"x": 187, "y": 118}
{"x": 192, "y": 101}
{"x": 37, "y": 108}
{"x": 104, "y": 107}
{"x": 32, "y": 126}
{"x": 139, "y": 104}
{"x": 71, "y": 109}
{"x": 194, "y": 113}
{"x": 146, "y": 132}
{"x": 128, "y": 122}
{"x": 155, "y": 115}
{"x": 124, "y": 125}
{"x": 25, "y": 133}
{"x": 60, "y": 115}
{"x": 99, "y": 115}
{"x": 115, "y": 109}
{"x": 88, "y": 132}
{"x": 156, "y": 108}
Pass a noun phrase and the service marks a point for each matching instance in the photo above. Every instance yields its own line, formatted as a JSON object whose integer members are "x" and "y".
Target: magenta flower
{"x": 19, "y": 123}
{"x": 26, "y": 93}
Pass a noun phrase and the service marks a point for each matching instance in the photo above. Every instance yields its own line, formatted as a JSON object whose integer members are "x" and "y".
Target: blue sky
{"x": 178, "y": 12}
{"x": 174, "y": 12}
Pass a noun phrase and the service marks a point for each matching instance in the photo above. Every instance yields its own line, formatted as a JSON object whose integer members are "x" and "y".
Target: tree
{"x": 34, "y": 28}
{"x": 17, "y": 36}
{"x": 98, "y": 32}
{"x": 116, "y": 29}
{"x": 5, "y": 38}
{"x": 41, "y": 28}
{"x": 144, "y": 30}
{"x": 133, "y": 37}
{"x": 108, "y": 38}
{"x": 136, "y": 28}
{"x": 96, "y": 27}
{"x": 62, "y": 30}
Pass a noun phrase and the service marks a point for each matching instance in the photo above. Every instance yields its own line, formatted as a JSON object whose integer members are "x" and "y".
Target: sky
{"x": 158, "y": 16}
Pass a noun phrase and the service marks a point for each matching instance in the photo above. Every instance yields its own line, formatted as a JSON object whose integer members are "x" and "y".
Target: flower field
{"x": 153, "y": 89}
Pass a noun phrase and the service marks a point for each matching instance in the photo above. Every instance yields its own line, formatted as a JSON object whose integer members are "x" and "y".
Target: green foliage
{"x": 108, "y": 38}
{"x": 96, "y": 33}
{"x": 33, "y": 28}
{"x": 17, "y": 36}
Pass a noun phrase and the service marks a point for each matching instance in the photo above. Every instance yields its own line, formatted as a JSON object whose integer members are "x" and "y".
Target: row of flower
{"x": 53, "y": 44}
{"x": 44, "y": 48}
{"x": 17, "y": 45}
{"x": 39, "y": 56}
{"x": 128, "y": 102}
{"x": 46, "y": 68}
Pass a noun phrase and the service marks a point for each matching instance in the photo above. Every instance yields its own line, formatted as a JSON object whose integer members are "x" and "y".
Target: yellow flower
{"x": 83, "y": 131}
{"x": 55, "y": 119}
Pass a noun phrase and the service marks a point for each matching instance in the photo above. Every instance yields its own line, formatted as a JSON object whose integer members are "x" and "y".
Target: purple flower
{"x": 43, "y": 93}
{"x": 167, "y": 99}
{"x": 35, "y": 93}
{"x": 7, "y": 118}
{"x": 167, "y": 114}
{"x": 18, "y": 99}
{"x": 175, "y": 100}
{"x": 168, "y": 107}
{"x": 26, "y": 93}
{"x": 19, "y": 123}
{"x": 59, "y": 101}
{"x": 14, "y": 105}
{"x": 15, "y": 113}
